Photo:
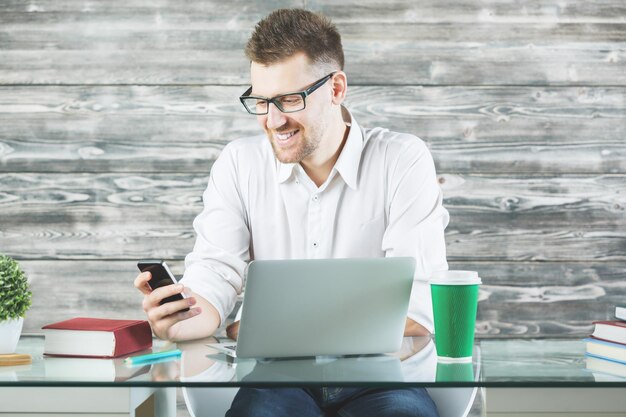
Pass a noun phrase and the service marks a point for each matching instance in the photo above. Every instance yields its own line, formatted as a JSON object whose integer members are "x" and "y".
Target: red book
{"x": 103, "y": 338}
{"x": 612, "y": 331}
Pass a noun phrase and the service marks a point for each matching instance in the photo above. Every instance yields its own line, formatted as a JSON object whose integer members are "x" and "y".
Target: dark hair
{"x": 286, "y": 32}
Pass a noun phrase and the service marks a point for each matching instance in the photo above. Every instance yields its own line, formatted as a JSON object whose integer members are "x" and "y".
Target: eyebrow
{"x": 253, "y": 94}
{"x": 276, "y": 95}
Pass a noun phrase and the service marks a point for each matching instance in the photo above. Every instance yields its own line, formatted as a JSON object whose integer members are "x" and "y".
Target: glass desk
{"x": 514, "y": 370}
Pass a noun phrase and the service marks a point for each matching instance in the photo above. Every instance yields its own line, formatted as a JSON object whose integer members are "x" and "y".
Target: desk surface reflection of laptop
{"x": 323, "y": 307}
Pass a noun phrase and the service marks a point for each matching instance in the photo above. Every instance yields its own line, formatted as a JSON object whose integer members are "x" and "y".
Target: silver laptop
{"x": 323, "y": 307}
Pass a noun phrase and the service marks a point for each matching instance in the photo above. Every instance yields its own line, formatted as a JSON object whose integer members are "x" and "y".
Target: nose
{"x": 275, "y": 118}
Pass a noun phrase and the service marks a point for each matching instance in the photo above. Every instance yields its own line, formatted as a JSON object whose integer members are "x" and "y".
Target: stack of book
{"x": 606, "y": 347}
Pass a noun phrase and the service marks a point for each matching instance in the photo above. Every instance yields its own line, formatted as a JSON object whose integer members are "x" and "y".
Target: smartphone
{"x": 161, "y": 277}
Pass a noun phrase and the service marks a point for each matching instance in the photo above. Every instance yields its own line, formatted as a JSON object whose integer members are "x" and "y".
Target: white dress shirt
{"x": 380, "y": 199}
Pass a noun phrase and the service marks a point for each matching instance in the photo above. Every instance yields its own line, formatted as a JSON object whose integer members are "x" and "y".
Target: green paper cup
{"x": 455, "y": 301}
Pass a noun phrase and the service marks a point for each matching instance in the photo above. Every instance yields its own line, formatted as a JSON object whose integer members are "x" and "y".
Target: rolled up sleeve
{"x": 416, "y": 224}
{"x": 216, "y": 266}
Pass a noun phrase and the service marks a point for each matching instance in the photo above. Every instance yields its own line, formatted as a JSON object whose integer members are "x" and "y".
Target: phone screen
{"x": 161, "y": 277}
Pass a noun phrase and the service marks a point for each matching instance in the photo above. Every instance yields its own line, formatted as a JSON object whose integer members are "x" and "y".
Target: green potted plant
{"x": 15, "y": 299}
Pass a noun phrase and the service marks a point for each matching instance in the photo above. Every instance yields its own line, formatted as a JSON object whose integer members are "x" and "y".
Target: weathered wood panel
{"x": 516, "y": 299}
{"x": 182, "y": 129}
{"x": 485, "y": 54}
{"x": 370, "y": 11}
{"x": 66, "y": 289}
{"x": 242, "y": 9}
{"x": 126, "y": 217}
{"x": 99, "y": 216}
{"x": 536, "y": 202}
{"x": 472, "y": 11}
{"x": 523, "y": 154}
{"x": 493, "y": 218}
{"x": 207, "y": 32}
{"x": 529, "y": 299}
{"x": 180, "y": 47}
{"x": 120, "y": 42}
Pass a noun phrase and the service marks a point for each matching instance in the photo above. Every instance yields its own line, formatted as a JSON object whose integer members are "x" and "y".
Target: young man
{"x": 316, "y": 185}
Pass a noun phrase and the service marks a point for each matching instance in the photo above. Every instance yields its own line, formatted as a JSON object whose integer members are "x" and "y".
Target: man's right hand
{"x": 165, "y": 319}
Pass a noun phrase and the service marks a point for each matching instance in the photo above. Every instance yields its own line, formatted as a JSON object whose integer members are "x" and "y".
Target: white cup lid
{"x": 455, "y": 278}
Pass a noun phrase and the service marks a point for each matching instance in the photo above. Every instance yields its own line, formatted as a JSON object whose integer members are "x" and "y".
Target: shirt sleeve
{"x": 216, "y": 266}
{"x": 416, "y": 223}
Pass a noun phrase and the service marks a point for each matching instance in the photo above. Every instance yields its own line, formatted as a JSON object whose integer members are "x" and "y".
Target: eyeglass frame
{"x": 304, "y": 94}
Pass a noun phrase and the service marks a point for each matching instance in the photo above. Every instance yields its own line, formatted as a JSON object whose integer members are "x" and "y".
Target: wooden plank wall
{"x": 111, "y": 114}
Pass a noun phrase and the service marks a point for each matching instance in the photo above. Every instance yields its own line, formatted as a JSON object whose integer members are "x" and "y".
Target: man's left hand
{"x": 232, "y": 331}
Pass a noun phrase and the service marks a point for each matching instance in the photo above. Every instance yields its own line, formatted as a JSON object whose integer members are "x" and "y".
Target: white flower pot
{"x": 10, "y": 331}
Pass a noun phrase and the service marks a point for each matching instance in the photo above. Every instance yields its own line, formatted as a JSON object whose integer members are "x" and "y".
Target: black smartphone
{"x": 161, "y": 276}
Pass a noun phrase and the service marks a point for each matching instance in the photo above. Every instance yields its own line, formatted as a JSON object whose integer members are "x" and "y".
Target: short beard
{"x": 307, "y": 145}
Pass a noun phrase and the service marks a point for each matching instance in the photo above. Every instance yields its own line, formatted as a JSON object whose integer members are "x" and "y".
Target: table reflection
{"x": 416, "y": 361}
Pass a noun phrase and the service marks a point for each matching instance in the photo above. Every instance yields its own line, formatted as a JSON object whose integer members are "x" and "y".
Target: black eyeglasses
{"x": 286, "y": 103}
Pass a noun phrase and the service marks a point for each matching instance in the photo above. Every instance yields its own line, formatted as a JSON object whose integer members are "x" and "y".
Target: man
{"x": 321, "y": 187}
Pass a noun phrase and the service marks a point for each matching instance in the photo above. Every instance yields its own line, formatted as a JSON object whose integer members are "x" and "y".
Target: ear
{"x": 339, "y": 85}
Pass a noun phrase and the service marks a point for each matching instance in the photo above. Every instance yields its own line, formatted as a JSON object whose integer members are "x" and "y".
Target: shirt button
{"x": 297, "y": 181}
{"x": 315, "y": 244}
{"x": 315, "y": 197}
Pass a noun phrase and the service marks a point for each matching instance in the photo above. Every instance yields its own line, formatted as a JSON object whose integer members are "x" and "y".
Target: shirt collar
{"x": 284, "y": 171}
{"x": 347, "y": 164}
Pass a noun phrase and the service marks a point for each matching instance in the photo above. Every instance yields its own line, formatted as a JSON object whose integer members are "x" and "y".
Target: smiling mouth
{"x": 285, "y": 136}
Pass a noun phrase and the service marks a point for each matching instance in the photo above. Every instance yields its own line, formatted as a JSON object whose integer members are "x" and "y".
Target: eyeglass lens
{"x": 288, "y": 103}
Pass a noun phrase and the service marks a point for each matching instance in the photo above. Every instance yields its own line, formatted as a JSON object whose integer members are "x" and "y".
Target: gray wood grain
{"x": 63, "y": 290}
{"x": 606, "y": 11}
{"x": 485, "y": 54}
{"x": 241, "y": 9}
{"x": 120, "y": 47}
{"x": 128, "y": 216}
{"x": 120, "y": 42}
{"x": 107, "y": 215}
{"x": 546, "y": 299}
{"x": 537, "y": 202}
{"x": 471, "y": 11}
{"x": 516, "y": 299}
{"x": 182, "y": 129}
{"x": 522, "y": 104}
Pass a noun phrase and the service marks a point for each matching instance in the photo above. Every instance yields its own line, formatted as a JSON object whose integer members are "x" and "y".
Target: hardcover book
{"x": 606, "y": 350}
{"x": 92, "y": 337}
{"x": 611, "y": 331}
{"x": 605, "y": 367}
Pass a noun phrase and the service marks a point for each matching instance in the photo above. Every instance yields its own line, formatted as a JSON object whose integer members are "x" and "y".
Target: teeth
{"x": 285, "y": 136}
